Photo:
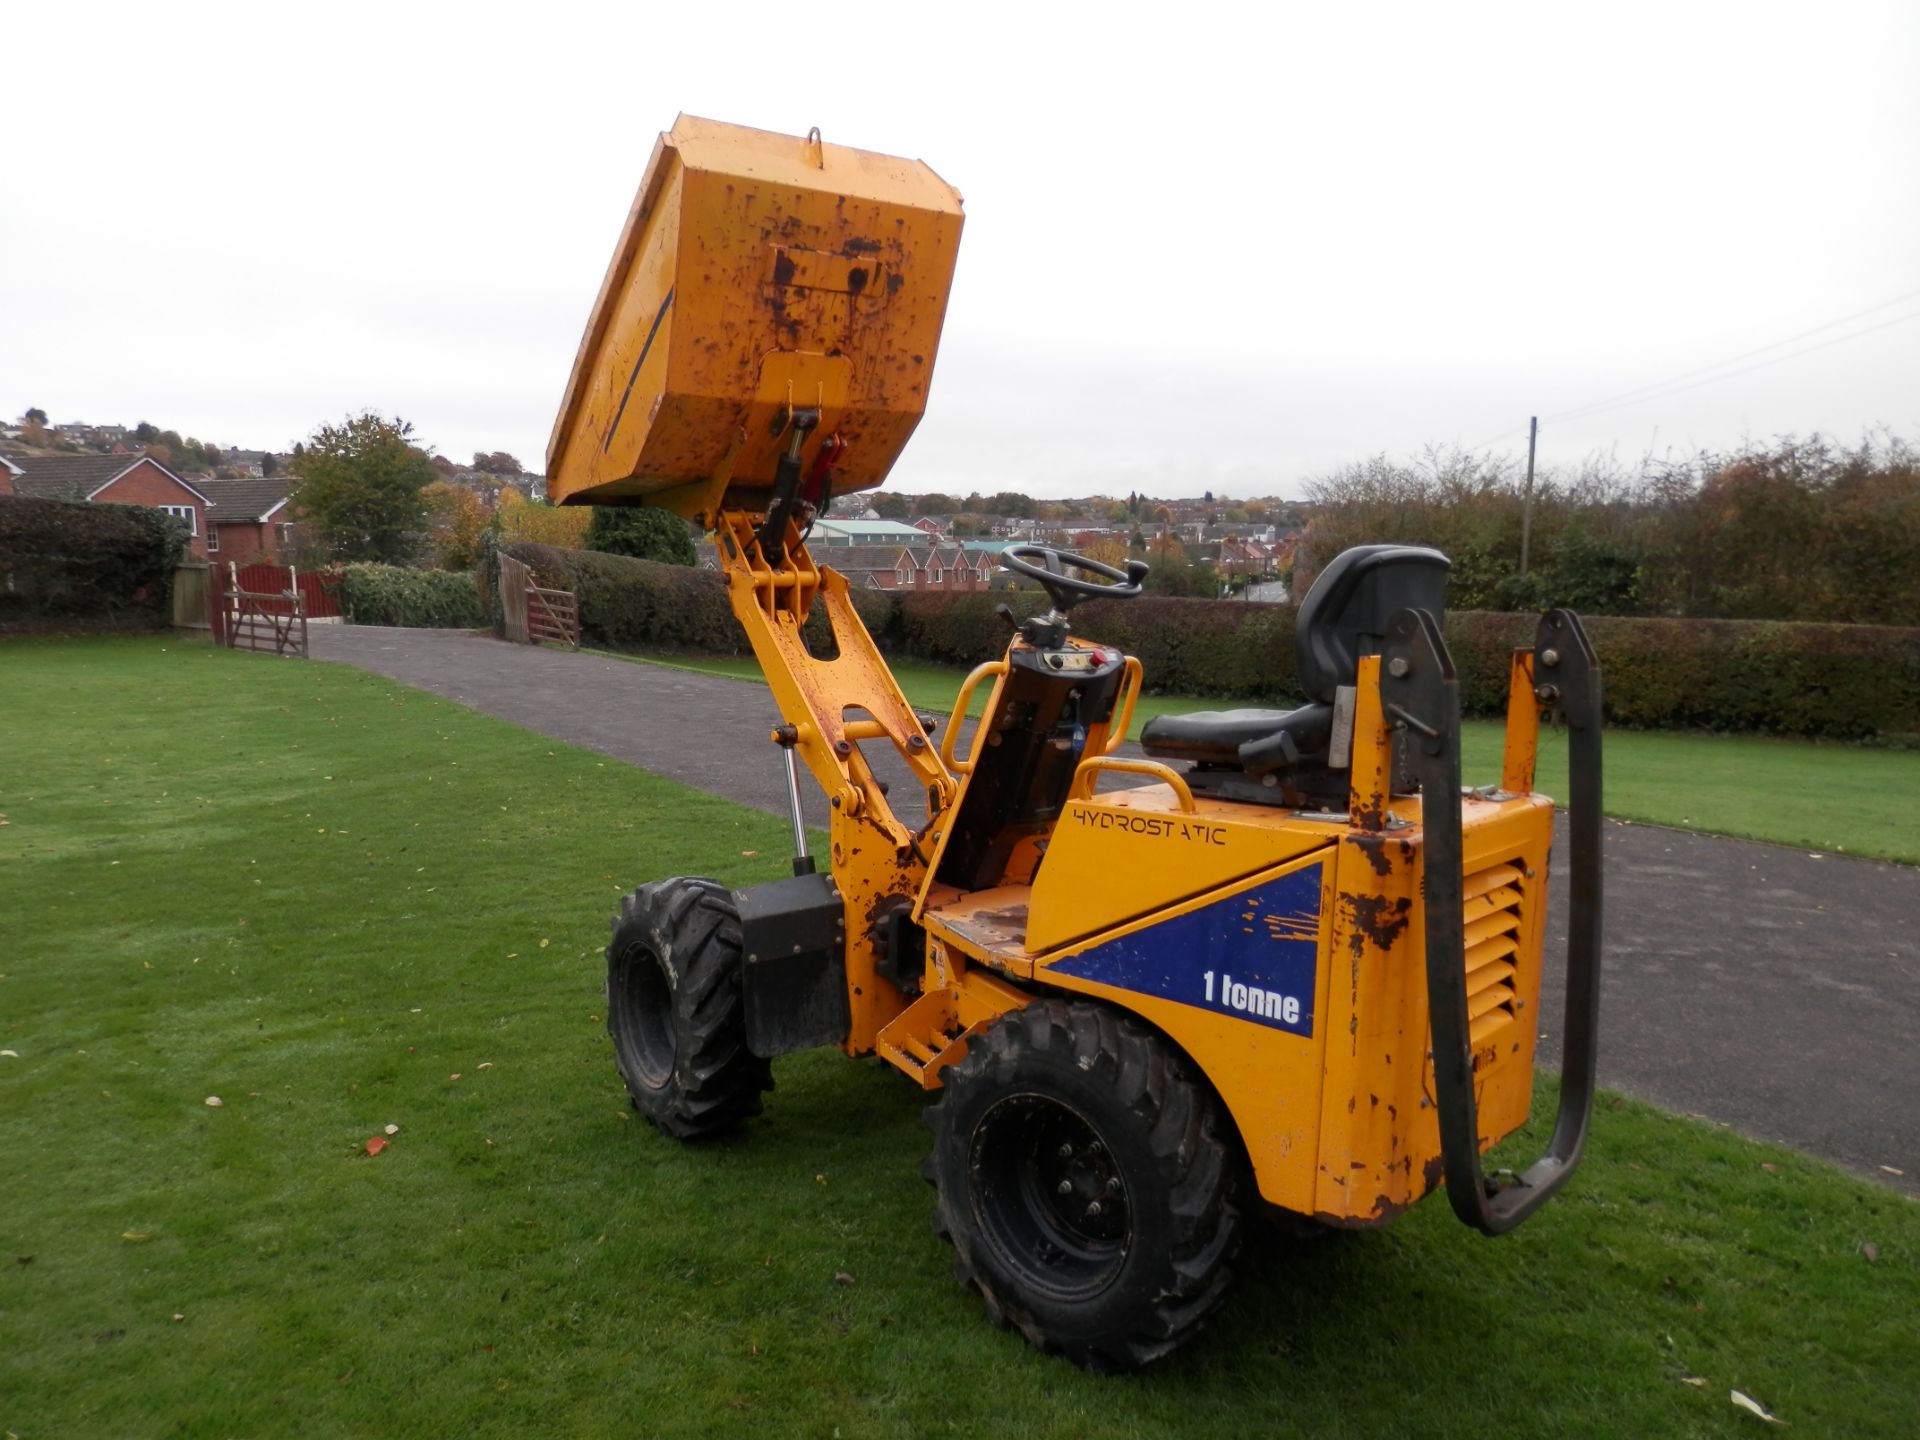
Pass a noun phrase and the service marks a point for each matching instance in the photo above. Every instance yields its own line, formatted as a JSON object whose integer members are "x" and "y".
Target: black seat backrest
{"x": 1346, "y": 612}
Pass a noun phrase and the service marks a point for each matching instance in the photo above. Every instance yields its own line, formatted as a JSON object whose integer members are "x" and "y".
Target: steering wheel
{"x": 1068, "y": 589}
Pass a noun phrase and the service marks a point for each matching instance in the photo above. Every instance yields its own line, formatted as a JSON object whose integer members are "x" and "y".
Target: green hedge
{"x": 396, "y": 595}
{"x": 631, "y": 604}
{"x": 61, "y": 559}
{"x": 1842, "y": 682}
{"x": 1845, "y": 682}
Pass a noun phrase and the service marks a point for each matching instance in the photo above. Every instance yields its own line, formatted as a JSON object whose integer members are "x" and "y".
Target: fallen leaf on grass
{"x": 393, "y": 1129}
{"x": 1770, "y": 1169}
{"x": 177, "y": 1316}
{"x": 1871, "y": 1251}
{"x": 376, "y": 1145}
{"x": 136, "y": 1237}
{"x": 841, "y": 1277}
{"x": 1888, "y": 1168}
{"x": 490, "y": 1142}
{"x": 10, "y": 1054}
{"x": 214, "y": 1102}
{"x": 1694, "y": 1380}
{"x": 1754, "y": 1407}
{"x": 453, "y": 1077}
{"x": 484, "y": 1065}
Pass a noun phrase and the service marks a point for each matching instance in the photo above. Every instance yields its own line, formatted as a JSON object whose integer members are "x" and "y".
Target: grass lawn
{"x": 338, "y": 904}
{"x": 1846, "y": 798}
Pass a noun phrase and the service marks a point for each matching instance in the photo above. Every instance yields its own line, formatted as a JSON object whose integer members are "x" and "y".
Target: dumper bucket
{"x": 758, "y": 275}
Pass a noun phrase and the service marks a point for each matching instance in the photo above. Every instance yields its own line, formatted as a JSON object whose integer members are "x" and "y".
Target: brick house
{"x": 250, "y": 519}
{"x": 900, "y": 569}
{"x": 111, "y": 480}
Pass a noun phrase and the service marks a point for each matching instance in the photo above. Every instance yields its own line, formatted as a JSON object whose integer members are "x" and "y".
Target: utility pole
{"x": 1526, "y": 502}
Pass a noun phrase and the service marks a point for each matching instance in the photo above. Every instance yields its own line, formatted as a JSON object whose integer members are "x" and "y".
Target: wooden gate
{"x": 532, "y": 612}
{"x": 274, "y": 624}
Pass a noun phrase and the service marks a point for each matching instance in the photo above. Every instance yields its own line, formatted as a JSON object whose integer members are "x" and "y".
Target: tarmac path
{"x": 1773, "y": 990}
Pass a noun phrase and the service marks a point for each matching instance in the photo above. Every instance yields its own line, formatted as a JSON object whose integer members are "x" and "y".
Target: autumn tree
{"x": 645, "y": 532}
{"x": 35, "y": 415}
{"x": 536, "y": 522}
{"x": 499, "y": 462}
{"x": 360, "y": 485}
{"x": 459, "y": 519}
{"x": 890, "y": 505}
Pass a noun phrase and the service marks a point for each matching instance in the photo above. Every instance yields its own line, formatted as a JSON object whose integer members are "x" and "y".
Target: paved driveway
{"x": 1773, "y": 990}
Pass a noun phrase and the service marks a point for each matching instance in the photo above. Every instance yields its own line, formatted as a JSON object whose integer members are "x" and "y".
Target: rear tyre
{"x": 674, "y": 1009}
{"x": 1088, "y": 1183}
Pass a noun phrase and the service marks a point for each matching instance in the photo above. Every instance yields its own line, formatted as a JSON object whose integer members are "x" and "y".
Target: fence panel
{"x": 192, "y": 586}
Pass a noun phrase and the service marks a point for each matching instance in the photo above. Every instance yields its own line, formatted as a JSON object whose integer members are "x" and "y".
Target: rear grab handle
{"x": 1420, "y": 694}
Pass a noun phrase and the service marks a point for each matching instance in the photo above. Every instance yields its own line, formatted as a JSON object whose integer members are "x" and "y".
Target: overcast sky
{"x": 1207, "y": 247}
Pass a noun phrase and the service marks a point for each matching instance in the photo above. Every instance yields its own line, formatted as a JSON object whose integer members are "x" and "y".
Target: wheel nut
{"x": 1065, "y": 1187}
{"x": 1113, "y": 1184}
{"x": 1066, "y": 1152}
{"x": 1093, "y": 1210}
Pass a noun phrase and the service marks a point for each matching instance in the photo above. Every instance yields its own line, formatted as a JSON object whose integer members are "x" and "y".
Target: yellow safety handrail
{"x": 1084, "y": 776}
{"x": 1130, "y": 676}
{"x": 980, "y": 672}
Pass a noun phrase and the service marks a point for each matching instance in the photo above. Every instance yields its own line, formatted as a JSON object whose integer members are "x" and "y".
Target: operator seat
{"x": 1344, "y": 617}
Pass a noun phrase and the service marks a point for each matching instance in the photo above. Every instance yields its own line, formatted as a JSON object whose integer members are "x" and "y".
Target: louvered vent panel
{"x": 1492, "y": 915}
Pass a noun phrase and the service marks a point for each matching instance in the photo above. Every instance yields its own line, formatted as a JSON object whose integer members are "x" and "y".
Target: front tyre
{"x": 1087, "y": 1181}
{"x": 675, "y": 1013}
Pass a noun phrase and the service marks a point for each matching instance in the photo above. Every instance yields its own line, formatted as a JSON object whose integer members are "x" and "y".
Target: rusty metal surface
{"x": 757, "y": 272}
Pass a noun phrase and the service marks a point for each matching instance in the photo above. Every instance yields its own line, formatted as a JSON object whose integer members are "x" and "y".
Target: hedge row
{"x": 110, "y": 562}
{"x": 627, "y": 603}
{"x": 1847, "y": 682}
{"x": 396, "y": 595}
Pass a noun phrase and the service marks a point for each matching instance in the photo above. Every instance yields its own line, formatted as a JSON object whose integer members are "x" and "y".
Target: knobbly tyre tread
{"x": 1160, "y": 1300}
{"x": 691, "y": 927}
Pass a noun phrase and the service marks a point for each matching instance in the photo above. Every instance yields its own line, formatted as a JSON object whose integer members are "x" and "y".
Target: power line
{"x": 1735, "y": 359}
{"x": 1745, "y": 369}
{"x": 1678, "y": 384}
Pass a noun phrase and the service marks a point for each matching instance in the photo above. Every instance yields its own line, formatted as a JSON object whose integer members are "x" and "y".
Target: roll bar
{"x": 1419, "y": 694}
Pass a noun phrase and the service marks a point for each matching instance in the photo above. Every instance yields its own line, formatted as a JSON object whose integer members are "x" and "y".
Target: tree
{"x": 144, "y": 433}
{"x": 360, "y": 483}
{"x": 891, "y": 505}
{"x": 35, "y": 415}
{"x": 538, "y": 523}
{"x": 460, "y": 520}
{"x": 934, "y": 503}
{"x": 645, "y": 532}
{"x": 268, "y": 464}
{"x": 497, "y": 463}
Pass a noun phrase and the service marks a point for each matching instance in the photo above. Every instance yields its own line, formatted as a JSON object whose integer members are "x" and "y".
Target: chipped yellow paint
{"x": 756, "y": 272}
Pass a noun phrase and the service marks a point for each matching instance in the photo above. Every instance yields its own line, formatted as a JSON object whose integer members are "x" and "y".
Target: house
{"x": 112, "y": 480}
{"x": 864, "y": 532}
{"x": 901, "y": 569}
{"x": 9, "y": 472}
{"x": 250, "y": 519}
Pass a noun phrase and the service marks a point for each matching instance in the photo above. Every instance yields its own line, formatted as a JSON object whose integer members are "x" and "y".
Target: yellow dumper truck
{"x": 1278, "y": 959}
